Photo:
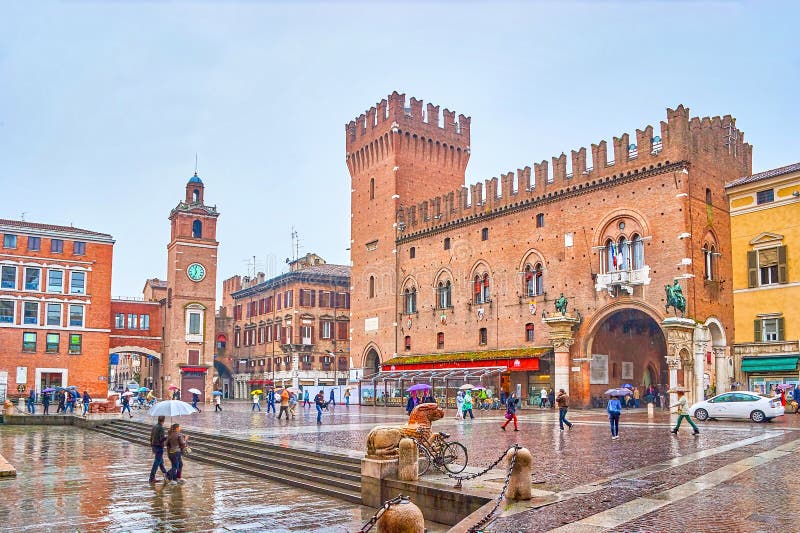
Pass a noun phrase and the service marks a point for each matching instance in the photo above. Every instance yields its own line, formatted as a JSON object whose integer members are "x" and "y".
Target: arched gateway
{"x": 626, "y": 346}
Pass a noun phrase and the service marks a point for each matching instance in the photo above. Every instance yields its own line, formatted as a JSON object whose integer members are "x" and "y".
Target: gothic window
{"x": 529, "y": 332}
{"x": 623, "y": 253}
{"x": 481, "y": 289}
{"x": 411, "y": 300}
{"x": 407, "y": 343}
{"x": 483, "y": 336}
{"x": 197, "y": 229}
{"x": 540, "y": 220}
{"x": 534, "y": 280}
{"x": 440, "y": 340}
{"x": 372, "y": 286}
{"x": 709, "y": 261}
{"x": 708, "y": 197}
{"x": 637, "y": 251}
{"x": 444, "y": 295}
{"x": 485, "y": 234}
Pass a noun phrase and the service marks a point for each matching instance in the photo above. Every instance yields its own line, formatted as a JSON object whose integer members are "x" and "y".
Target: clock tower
{"x": 191, "y": 296}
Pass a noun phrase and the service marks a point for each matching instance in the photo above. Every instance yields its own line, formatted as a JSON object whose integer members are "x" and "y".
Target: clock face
{"x": 196, "y": 272}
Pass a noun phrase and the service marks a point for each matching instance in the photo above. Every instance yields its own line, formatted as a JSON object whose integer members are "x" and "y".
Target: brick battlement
{"x": 681, "y": 139}
{"x": 391, "y": 126}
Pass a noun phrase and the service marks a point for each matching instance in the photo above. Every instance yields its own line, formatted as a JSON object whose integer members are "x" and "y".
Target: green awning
{"x": 784, "y": 363}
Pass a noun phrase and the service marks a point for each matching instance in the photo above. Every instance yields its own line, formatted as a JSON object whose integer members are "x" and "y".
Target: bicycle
{"x": 452, "y": 456}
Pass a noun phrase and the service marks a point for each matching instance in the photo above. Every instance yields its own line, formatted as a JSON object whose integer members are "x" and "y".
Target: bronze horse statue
{"x": 675, "y": 298}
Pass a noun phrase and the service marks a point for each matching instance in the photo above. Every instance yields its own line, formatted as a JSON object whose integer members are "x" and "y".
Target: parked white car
{"x": 738, "y": 404}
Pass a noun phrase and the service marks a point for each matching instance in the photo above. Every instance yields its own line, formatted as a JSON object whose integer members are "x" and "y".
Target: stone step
{"x": 339, "y": 461}
{"x": 239, "y": 455}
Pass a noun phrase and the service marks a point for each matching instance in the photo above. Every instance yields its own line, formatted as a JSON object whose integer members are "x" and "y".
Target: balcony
{"x": 623, "y": 279}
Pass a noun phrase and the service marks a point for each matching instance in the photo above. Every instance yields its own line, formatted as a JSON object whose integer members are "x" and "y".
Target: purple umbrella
{"x": 618, "y": 392}
{"x": 784, "y": 386}
{"x": 49, "y": 389}
{"x": 418, "y": 386}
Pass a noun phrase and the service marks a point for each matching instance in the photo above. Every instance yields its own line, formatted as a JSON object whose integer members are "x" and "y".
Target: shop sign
{"x": 516, "y": 363}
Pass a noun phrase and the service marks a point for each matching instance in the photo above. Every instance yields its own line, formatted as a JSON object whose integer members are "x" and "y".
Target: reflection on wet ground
{"x": 71, "y": 479}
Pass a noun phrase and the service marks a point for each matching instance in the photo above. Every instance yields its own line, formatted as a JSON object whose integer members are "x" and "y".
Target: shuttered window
{"x": 766, "y": 266}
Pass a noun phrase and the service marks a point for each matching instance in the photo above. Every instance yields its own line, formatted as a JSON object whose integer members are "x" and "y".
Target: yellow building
{"x": 765, "y": 243}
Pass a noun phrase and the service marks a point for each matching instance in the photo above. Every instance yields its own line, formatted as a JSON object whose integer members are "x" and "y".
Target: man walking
{"x": 306, "y": 403}
{"x": 683, "y": 412}
{"x": 217, "y": 402}
{"x": 158, "y": 436}
{"x": 284, "y": 404}
{"x": 126, "y": 404}
{"x": 562, "y": 399}
{"x": 319, "y": 403}
{"x": 195, "y": 399}
{"x": 31, "y": 403}
{"x": 86, "y": 401}
{"x": 271, "y": 401}
{"x": 46, "y": 402}
{"x": 332, "y": 400}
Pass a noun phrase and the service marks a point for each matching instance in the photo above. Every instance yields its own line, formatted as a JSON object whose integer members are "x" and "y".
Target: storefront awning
{"x": 785, "y": 363}
{"x": 460, "y": 374}
{"x": 443, "y": 360}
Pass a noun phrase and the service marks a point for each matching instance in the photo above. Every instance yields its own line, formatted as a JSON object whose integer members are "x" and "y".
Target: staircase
{"x": 334, "y": 475}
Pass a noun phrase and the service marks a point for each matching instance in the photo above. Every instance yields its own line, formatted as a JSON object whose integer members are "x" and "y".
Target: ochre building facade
{"x": 448, "y": 276}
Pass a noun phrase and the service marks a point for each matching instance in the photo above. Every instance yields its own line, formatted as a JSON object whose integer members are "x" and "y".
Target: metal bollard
{"x": 403, "y": 517}
{"x": 519, "y": 484}
{"x": 408, "y": 463}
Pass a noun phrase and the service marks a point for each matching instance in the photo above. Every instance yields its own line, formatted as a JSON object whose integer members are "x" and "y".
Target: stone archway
{"x": 719, "y": 356}
{"x": 372, "y": 363}
{"x": 627, "y": 346}
{"x": 148, "y": 363}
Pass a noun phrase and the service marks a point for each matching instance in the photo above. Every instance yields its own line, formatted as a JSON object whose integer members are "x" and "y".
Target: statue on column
{"x": 675, "y": 298}
{"x": 561, "y": 304}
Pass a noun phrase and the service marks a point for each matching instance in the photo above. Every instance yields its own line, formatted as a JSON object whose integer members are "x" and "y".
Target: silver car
{"x": 738, "y": 404}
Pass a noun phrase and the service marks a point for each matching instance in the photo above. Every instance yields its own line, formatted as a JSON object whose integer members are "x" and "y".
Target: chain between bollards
{"x": 386, "y": 505}
{"x": 485, "y": 520}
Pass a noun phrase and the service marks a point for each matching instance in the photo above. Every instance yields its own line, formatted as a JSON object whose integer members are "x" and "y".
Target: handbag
{"x": 187, "y": 450}
{"x": 509, "y": 416}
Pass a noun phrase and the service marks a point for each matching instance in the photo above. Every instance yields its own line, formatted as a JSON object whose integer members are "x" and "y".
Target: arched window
{"x": 372, "y": 286}
{"x": 483, "y": 336}
{"x": 481, "y": 289}
{"x": 197, "y": 229}
{"x": 529, "y": 332}
{"x": 411, "y": 300}
{"x": 611, "y": 256}
{"x": 638, "y": 251}
{"x": 445, "y": 294}
{"x": 708, "y": 197}
{"x": 440, "y": 340}
{"x": 486, "y": 295}
{"x": 412, "y": 252}
{"x": 372, "y": 188}
{"x": 407, "y": 343}
{"x": 196, "y": 195}
{"x": 534, "y": 281}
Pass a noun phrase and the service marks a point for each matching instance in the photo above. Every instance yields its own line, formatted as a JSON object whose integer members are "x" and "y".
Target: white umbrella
{"x": 195, "y": 391}
{"x": 466, "y": 386}
{"x": 171, "y": 408}
{"x": 127, "y": 393}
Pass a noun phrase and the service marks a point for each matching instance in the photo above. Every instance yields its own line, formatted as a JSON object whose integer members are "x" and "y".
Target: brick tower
{"x": 191, "y": 294}
{"x": 398, "y": 156}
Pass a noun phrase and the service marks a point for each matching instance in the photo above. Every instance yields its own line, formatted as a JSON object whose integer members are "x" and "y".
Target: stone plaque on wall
{"x": 627, "y": 370}
{"x": 598, "y": 370}
{"x": 371, "y": 324}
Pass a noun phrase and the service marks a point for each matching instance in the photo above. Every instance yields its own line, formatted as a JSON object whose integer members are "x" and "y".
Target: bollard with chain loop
{"x": 460, "y": 478}
{"x": 485, "y": 520}
{"x": 386, "y": 505}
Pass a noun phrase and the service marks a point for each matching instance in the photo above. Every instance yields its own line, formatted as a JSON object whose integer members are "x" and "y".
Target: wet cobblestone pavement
{"x": 648, "y": 480}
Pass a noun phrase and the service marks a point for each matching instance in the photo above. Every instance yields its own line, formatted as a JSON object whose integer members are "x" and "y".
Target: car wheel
{"x": 701, "y": 415}
{"x": 757, "y": 416}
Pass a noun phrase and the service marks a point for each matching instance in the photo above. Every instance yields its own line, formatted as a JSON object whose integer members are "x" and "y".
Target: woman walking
{"x": 511, "y": 411}
{"x": 468, "y": 406}
{"x": 460, "y": 405}
{"x": 614, "y": 408}
{"x": 86, "y": 401}
{"x": 126, "y": 405}
{"x": 176, "y": 445}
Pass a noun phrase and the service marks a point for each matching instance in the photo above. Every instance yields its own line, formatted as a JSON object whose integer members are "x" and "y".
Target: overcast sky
{"x": 104, "y": 105}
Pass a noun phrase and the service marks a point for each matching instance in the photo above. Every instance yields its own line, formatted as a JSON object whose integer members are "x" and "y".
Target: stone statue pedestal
{"x": 372, "y": 472}
{"x": 562, "y": 336}
{"x": 679, "y": 334}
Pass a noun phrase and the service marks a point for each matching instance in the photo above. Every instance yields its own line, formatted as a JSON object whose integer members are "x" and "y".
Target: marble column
{"x": 722, "y": 382}
{"x": 679, "y": 334}
{"x": 563, "y": 337}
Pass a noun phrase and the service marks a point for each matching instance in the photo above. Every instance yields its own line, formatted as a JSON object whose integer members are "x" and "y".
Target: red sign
{"x": 194, "y": 369}
{"x": 513, "y": 364}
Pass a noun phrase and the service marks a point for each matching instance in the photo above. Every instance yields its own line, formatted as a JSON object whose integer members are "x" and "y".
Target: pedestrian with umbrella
{"x": 61, "y": 402}
{"x": 158, "y": 437}
{"x": 468, "y": 405}
{"x": 683, "y": 411}
{"x": 217, "y": 400}
{"x": 614, "y": 408}
{"x": 46, "y": 400}
{"x": 126, "y": 403}
{"x": 195, "y": 398}
{"x": 176, "y": 443}
{"x": 511, "y": 411}
{"x": 256, "y": 400}
{"x": 284, "y": 404}
{"x": 460, "y": 405}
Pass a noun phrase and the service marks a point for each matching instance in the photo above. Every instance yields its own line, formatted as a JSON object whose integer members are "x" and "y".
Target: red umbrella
{"x": 173, "y": 387}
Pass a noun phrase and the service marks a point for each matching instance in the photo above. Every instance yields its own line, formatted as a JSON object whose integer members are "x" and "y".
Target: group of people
{"x": 288, "y": 400}
{"x": 176, "y": 444}
{"x": 65, "y": 398}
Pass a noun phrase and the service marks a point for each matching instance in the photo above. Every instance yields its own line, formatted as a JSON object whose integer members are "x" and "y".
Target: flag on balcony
{"x": 613, "y": 255}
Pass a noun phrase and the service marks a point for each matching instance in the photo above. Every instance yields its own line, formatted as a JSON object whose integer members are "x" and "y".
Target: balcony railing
{"x": 624, "y": 279}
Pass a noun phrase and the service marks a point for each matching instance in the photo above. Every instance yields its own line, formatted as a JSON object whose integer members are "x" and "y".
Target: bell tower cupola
{"x": 194, "y": 190}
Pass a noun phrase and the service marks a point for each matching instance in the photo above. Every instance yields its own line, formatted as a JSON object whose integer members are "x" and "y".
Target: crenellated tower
{"x": 398, "y": 154}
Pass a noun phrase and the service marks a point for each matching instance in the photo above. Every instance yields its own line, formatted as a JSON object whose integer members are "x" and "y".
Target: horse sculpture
{"x": 675, "y": 298}
{"x": 383, "y": 442}
{"x": 561, "y": 304}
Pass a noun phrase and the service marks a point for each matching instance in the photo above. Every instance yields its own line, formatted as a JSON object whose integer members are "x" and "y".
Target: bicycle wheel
{"x": 424, "y": 459}
{"x": 454, "y": 457}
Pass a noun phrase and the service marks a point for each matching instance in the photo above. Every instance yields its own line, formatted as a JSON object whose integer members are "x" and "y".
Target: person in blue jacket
{"x": 614, "y": 408}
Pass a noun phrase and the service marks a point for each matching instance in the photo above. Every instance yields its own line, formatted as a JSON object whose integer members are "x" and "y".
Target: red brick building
{"x": 136, "y": 340}
{"x": 55, "y": 291}
{"x": 447, "y": 276}
{"x": 292, "y": 329}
